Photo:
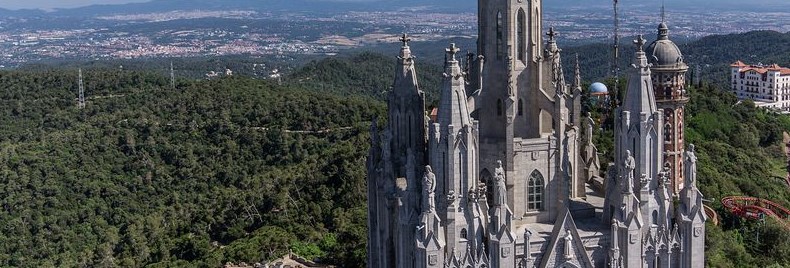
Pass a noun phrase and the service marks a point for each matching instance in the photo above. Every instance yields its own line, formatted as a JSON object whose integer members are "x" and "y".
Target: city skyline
{"x": 48, "y": 4}
{"x": 722, "y": 4}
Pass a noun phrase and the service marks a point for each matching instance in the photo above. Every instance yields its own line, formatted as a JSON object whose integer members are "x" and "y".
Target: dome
{"x": 664, "y": 52}
{"x": 598, "y": 87}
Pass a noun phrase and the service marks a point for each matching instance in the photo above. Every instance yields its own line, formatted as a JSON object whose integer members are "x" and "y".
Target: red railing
{"x": 756, "y": 208}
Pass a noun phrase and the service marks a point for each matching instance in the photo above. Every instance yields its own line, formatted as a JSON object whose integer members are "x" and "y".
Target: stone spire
{"x": 502, "y": 246}
{"x": 691, "y": 214}
{"x": 639, "y": 97}
{"x": 453, "y": 149}
{"x": 430, "y": 234}
{"x": 452, "y": 105}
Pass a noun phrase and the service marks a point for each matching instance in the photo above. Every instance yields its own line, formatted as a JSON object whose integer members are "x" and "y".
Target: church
{"x": 505, "y": 174}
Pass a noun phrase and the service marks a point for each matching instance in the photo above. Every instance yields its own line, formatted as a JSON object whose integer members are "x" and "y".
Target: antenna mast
{"x": 172, "y": 76}
{"x": 81, "y": 100}
{"x": 616, "y": 56}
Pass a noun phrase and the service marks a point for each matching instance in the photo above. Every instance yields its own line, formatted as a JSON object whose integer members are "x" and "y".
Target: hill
{"x": 713, "y": 54}
{"x": 243, "y": 170}
{"x": 232, "y": 169}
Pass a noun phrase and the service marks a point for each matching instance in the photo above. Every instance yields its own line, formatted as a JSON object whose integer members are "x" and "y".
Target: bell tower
{"x": 510, "y": 44}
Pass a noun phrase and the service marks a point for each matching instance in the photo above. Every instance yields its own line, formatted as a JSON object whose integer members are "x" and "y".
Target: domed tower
{"x": 669, "y": 80}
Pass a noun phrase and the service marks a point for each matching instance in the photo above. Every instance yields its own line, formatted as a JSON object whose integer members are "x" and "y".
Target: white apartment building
{"x": 768, "y": 86}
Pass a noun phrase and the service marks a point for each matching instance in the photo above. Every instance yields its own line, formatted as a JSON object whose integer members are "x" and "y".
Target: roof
{"x": 664, "y": 52}
{"x": 738, "y": 64}
{"x": 760, "y": 69}
{"x": 598, "y": 87}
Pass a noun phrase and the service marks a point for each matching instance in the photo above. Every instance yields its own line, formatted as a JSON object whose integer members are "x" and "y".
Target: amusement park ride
{"x": 755, "y": 209}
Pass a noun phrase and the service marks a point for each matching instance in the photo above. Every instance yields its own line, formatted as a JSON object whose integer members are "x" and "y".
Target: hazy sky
{"x": 49, "y": 4}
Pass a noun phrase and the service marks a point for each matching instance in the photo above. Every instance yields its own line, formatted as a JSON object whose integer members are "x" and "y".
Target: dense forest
{"x": 238, "y": 169}
{"x": 211, "y": 172}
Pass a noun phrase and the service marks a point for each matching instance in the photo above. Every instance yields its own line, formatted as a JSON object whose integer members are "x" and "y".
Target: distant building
{"x": 599, "y": 94}
{"x": 768, "y": 86}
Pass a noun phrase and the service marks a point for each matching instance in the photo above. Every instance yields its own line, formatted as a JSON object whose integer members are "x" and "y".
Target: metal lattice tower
{"x": 172, "y": 76}
{"x": 616, "y": 56}
{"x": 81, "y": 100}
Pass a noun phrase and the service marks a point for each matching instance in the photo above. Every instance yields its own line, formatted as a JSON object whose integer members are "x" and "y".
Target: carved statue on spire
{"x": 630, "y": 165}
{"x": 568, "y": 244}
{"x": 429, "y": 187}
{"x": 691, "y": 166}
{"x": 590, "y": 126}
{"x": 500, "y": 195}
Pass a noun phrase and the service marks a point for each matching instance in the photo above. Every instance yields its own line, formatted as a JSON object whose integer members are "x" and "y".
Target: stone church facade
{"x": 501, "y": 176}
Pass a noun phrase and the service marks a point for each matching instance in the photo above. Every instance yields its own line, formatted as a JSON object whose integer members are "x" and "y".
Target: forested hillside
{"x": 713, "y": 54}
{"x": 740, "y": 152}
{"x": 366, "y": 74}
{"x": 243, "y": 170}
{"x": 211, "y": 172}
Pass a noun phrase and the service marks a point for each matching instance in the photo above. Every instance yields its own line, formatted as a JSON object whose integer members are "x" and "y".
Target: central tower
{"x": 521, "y": 105}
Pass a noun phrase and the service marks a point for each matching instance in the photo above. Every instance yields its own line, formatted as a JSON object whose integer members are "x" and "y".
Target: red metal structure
{"x": 756, "y": 208}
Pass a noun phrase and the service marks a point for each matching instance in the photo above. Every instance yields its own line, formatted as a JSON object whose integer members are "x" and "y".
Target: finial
{"x": 405, "y": 40}
{"x": 663, "y": 12}
{"x": 640, "y": 43}
{"x": 551, "y": 34}
{"x": 452, "y": 50}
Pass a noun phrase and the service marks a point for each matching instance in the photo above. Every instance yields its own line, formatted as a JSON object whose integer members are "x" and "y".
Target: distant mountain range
{"x": 384, "y": 5}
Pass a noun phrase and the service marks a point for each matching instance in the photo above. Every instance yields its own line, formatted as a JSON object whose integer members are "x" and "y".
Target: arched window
{"x": 520, "y": 108}
{"x": 499, "y": 35}
{"x": 521, "y": 38}
{"x": 463, "y": 233}
{"x": 655, "y": 217}
{"x": 535, "y": 191}
{"x": 499, "y": 107}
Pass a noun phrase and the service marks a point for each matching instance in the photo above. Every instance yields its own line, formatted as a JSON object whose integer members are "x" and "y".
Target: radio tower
{"x": 172, "y": 76}
{"x": 81, "y": 93}
{"x": 616, "y": 56}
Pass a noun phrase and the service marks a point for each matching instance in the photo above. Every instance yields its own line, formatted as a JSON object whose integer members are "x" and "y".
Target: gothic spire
{"x": 452, "y": 105}
{"x": 639, "y": 97}
{"x": 406, "y": 75}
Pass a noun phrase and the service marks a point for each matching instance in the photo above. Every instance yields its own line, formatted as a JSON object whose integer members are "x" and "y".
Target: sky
{"x": 50, "y": 4}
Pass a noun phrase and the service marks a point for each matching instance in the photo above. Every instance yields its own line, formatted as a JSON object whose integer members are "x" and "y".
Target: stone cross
{"x": 551, "y": 34}
{"x": 640, "y": 43}
{"x": 452, "y": 50}
{"x": 405, "y": 39}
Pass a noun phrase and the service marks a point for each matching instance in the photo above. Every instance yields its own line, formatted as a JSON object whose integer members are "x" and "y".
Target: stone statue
{"x": 590, "y": 124}
{"x": 500, "y": 193}
{"x": 429, "y": 187}
{"x": 568, "y": 244}
{"x": 630, "y": 165}
{"x": 691, "y": 165}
